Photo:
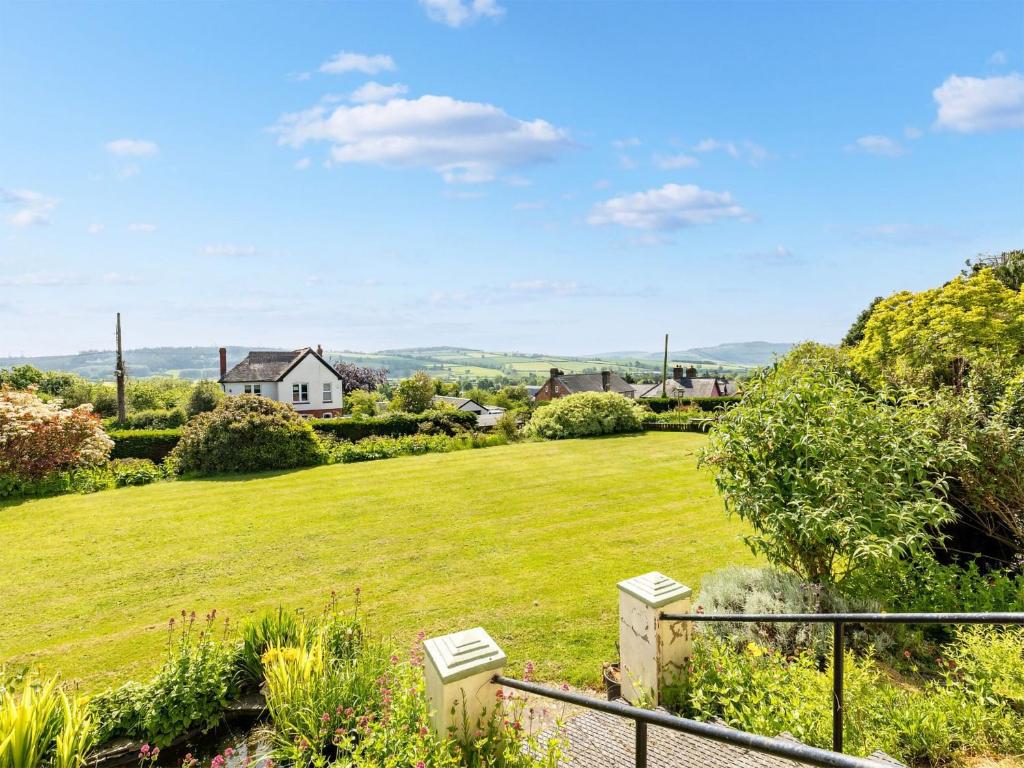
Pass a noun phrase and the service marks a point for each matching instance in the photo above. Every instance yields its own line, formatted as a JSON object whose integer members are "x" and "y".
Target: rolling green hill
{"x": 454, "y": 363}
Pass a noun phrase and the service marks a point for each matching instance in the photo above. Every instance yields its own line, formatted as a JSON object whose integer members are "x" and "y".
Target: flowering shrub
{"x": 585, "y": 414}
{"x": 246, "y": 433}
{"x": 38, "y": 438}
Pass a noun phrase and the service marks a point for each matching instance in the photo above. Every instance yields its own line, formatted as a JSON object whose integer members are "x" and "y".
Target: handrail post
{"x": 837, "y": 686}
{"x": 641, "y": 744}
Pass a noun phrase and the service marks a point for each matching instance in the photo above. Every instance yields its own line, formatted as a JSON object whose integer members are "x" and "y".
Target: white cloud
{"x": 633, "y": 141}
{"x": 41, "y": 279}
{"x": 752, "y": 152}
{"x": 142, "y": 227}
{"x": 912, "y": 133}
{"x": 602, "y": 184}
{"x": 94, "y": 229}
{"x": 876, "y": 145}
{"x": 999, "y": 59}
{"x": 116, "y": 278}
{"x": 545, "y": 287}
{"x": 673, "y": 162}
{"x": 456, "y": 13}
{"x": 228, "y": 249}
{"x": 302, "y": 163}
{"x": 462, "y": 140}
{"x": 980, "y": 104}
{"x": 33, "y": 208}
{"x": 627, "y": 163}
{"x": 346, "y": 61}
{"x": 372, "y": 92}
{"x": 132, "y": 147}
{"x": 672, "y": 206}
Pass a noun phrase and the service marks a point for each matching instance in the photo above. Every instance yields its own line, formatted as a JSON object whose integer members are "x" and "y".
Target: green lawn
{"x": 526, "y": 540}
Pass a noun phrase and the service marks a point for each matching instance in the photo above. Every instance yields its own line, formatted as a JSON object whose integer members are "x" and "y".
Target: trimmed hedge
{"x": 710, "y": 404}
{"x": 152, "y": 444}
{"x": 399, "y": 424}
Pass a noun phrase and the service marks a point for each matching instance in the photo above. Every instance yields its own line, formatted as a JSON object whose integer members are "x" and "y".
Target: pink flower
{"x": 145, "y": 750}
{"x": 229, "y": 752}
{"x": 325, "y": 717}
{"x": 421, "y": 764}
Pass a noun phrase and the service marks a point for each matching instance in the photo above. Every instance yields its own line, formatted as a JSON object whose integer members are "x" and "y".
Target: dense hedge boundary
{"x": 152, "y": 444}
{"x": 694, "y": 426}
{"x": 396, "y": 424}
{"x": 709, "y": 404}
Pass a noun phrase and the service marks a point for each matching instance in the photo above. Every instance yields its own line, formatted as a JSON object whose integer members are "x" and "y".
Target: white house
{"x": 301, "y": 378}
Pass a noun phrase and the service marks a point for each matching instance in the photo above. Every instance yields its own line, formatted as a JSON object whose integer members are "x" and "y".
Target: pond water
{"x": 250, "y": 747}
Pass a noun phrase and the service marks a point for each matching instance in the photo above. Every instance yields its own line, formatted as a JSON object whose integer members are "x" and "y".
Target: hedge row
{"x": 694, "y": 426}
{"x": 152, "y": 444}
{"x": 710, "y": 404}
{"x": 396, "y": 425}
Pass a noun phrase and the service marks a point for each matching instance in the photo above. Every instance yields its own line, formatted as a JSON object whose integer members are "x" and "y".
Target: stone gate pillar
{"x": 652, "y": 652}
{"x": 458, "y": 669}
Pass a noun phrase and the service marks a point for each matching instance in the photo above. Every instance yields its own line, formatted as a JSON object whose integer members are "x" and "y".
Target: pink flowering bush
{"x": 39, "y": 438}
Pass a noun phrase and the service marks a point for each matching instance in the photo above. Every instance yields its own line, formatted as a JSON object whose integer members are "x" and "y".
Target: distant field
{"x": 527, "y": 540}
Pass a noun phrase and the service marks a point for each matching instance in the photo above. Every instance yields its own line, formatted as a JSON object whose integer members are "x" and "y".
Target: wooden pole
{"x": 664, "y": 370}
{"x": 119, "y": 375}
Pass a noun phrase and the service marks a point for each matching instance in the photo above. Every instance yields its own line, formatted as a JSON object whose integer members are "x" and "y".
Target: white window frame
{"x": 254, "y": 389}
{"x": 300, "y": 392}
{"x": 328, "y": 393}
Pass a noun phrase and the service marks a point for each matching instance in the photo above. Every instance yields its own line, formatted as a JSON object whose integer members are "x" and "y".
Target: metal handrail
{"x": 839, "y": 622}
{"x": 644, "y": 717}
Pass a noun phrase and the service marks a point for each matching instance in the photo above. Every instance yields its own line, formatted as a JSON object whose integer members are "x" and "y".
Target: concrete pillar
{"x": 652, "y": 652}
{"x": 458, "y": 669}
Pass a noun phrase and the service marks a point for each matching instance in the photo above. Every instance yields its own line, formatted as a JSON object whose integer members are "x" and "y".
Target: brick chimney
{"x": 555, "y": 372}
{"x": 691, "y": 372}
{"x": 606, "y": 380}
{"x": 223, "y": 362}
{"x": 677, "y": 373}
{"x": 319, "y": 350}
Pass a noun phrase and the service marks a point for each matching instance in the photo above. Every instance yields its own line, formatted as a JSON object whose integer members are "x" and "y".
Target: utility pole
{"x": 665, "y": 369}
{"x": 119, "y": 375}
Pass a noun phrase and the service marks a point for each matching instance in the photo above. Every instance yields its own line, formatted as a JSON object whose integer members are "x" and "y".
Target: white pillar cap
{"x": 463, "y": 654}
{"x": 655, "y": 589}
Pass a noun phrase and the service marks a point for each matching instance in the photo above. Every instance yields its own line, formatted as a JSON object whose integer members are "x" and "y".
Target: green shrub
{"x": 413, "y": 395}
{"x": 741, "y": 589}
{"x": 127, "y": 472}
{"x": 204, "y": 397}
{"x": 120, "y": 712}
{"x": 152, "y": 444}
{"x": 508, "y": 424}
{"x": 706, "y": 404}
{"x": 397, "y": 424}
{"x": 167, "y": 418}
{"x": 373, "y": 448}
{"x": 246, "y": 433}
{"x": 585, "y": 414}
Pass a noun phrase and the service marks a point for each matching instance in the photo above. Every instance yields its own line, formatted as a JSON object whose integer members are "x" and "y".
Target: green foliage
{"x": 268, "y": 630}
{"x": 373, "y": 448}
{"x": 361, "y": 403}
{"x": 707, "y": 404}
{"x": 152, "y": 444}
{"x": 856, "y": 333}
{"x": 509, "y": 424}
{"x": 414, "y": 394}
{"x": 962, "y": 714}
{"x": 585, "y": 414}
{"x": 168, "y": 418}
{"x": 395, "y": 424}
{"x": 927, "y": 586}
{"x": 933, "y": 337}
{"x": 246, "y": 433}
{"x": 43, "y": 725}
{"x": 739, "y": 589}
{"x": 151, "y": 394}
{"x": 833, "y": 479}
{"x": 135, "y": 472}
{"x": 204, "y": 397}
{"x": 1007, "y": 268}
{"x": 120, "y": 712}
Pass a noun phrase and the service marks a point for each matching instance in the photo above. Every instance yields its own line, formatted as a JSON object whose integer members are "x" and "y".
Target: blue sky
{"x": 549, "y": 177}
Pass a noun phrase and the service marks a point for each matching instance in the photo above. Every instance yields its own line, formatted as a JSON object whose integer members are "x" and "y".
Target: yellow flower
{"x": 755, "y": 650}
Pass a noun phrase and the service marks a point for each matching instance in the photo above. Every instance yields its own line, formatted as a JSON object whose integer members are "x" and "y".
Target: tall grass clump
{"x": 44, "y": 724}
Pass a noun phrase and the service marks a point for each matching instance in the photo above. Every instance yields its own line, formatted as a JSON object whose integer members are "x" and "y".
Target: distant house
{"x": 486, "y": 415}
{"x": 562, "y": 384}
{"x": 459, "y": 403}
{"x": 686, "y": 383}
{"x": 302, "y": 378}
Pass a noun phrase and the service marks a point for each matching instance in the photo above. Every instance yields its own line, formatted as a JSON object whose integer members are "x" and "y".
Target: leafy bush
{"x": 38, "y": 439}
{"x": 246, "y": 433}
{"x": 168, "y": 418}
{"x": 834, "y": 480}
{"x": 585, "y": 414}
{"x": 763, "y": 691}
{"x": 359, "y": 378}
{"x": 156, "y": 393}
{"x": 152, "y": 444}
{"x": 361, "y": 403}
{"x": 508, "y": 424}
{"x": 127, "y": 472}
{"x": 271, "y": 629}
{"x": 414, "y": 394}
{"x": 43, "y": 725}
{"x": 204, "y": 397}
{"x": 448, "y": 422}
{"x": 926, "y": 586}
{"x": 373, "y": 448}
{"x": 706, "y": 404}
{"x": 739, "y": 589}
